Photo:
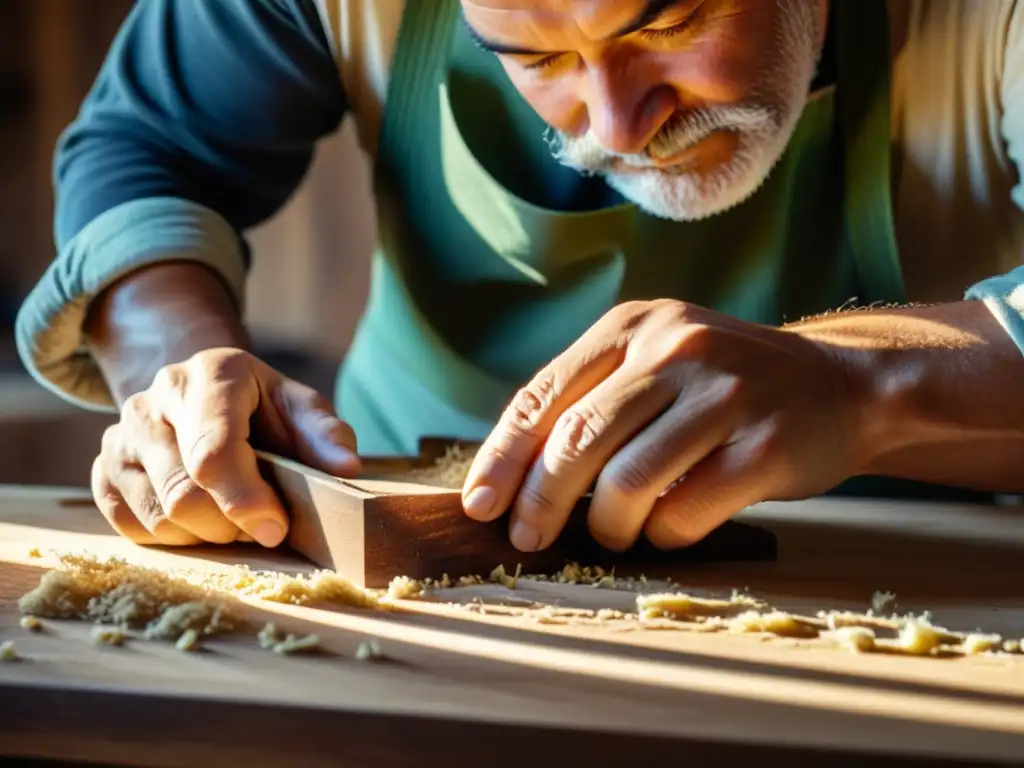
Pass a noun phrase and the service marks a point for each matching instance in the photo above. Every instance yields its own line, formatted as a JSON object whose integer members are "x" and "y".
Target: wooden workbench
{"x": 467, "y": 689}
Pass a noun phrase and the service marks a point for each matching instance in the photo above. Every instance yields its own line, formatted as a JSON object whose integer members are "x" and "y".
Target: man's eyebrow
{"x": 495, "y": 47}
{"x": 651, "y": 11}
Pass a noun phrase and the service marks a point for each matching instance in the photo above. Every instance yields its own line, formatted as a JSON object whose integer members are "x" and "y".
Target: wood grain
{"x": 371, "y": 530}
{"x": 466, "y": 688}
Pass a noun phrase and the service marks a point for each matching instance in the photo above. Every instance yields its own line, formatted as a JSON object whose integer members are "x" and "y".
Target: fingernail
{"x": 479, "y": 503}
{"x": 268, "y": 533}
{"x": 525, "y": 537}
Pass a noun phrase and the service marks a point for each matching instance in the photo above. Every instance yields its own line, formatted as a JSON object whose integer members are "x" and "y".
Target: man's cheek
{"x": 715, "y": 72}
{"x": 556, "y": 101}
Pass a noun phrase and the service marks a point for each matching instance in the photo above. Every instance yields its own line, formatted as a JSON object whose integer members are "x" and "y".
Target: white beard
{"x": 763, "y": 125}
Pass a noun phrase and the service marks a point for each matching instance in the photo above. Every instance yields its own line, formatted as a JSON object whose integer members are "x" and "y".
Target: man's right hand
{"x": 179, "y": 468}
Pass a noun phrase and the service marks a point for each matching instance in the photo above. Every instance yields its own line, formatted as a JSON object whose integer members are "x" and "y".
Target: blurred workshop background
{"x": 307, "y": 287}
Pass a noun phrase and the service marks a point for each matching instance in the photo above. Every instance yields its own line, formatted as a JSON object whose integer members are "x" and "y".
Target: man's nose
{"x": 625, "y": 113}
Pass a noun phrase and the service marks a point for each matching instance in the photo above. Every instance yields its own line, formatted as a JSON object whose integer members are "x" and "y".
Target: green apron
{"x": 494, "y": 257}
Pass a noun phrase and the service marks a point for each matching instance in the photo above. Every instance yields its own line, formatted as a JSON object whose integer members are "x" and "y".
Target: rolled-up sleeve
{"x": 1004, "y": 294}
{"x": 201, "y": 124}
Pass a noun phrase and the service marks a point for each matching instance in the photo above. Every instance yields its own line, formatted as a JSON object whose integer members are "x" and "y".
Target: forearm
{"x": 938, "y": 391}
{"x": 155, "y": 316}
{"x": 165, "y": 159}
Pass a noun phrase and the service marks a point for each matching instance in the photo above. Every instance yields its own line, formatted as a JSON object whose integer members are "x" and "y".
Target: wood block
{"x": 373, "y": 530}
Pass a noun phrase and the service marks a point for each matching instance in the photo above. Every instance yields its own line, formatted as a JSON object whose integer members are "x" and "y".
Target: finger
{"x": 633, "y": 479}
{"x": 114, "y": 508}
{"x": 505, "y": 457}
{"x": 582, "y": 440}
{"x": 181, "y": 499}
{"x": 731, "y": 479}
{"x": 319, "y": 438}
{"x": 120, "y": 464}
{"x": 211, "y": 423}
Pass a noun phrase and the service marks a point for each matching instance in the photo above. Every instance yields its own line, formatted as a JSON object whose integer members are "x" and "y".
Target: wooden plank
{"x": 371, "y": 530}
{"x": 460, "y": 684}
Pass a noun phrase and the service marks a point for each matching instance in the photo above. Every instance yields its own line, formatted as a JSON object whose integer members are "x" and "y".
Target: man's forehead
{"x": 579, "y": 10}
{"x": 542, "y": 6}
{"x": 592, "y": 18}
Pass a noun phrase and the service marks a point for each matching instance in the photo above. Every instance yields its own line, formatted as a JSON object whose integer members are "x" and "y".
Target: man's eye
{"x": 661, "y": 34}
{"x": 544, "y": 62}
{"x": 675, "y": 29}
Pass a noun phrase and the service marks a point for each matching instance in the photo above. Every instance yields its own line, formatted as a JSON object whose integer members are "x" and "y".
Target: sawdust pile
{"x": 113, "y": 592}
{"x": 321, "y": 587}
{"x": 125, "y": 600}
{"x": 449, "y": 471}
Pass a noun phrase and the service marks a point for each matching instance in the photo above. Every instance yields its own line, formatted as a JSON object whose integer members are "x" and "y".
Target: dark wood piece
{"x": 373, "y": 530}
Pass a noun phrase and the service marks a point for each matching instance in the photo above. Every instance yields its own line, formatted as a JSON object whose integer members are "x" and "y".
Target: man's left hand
{"x": 679, "y": 418}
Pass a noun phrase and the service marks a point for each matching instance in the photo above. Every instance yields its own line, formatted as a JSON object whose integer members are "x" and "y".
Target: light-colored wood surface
{"x": 457, "y": 675}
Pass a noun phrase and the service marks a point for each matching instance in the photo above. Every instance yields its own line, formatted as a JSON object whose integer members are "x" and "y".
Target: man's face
{"x": 684, "y": 106}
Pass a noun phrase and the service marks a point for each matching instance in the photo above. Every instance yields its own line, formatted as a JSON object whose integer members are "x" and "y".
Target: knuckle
{"x": 177, "y": 492}
{"x": 729, "y": 389}
{"x": 693, "y": 340}
{"x": 531, "y": 403}
{"x": 626, "y": 310}
{"x": 576, "y": 430}
{"x": 766, "y": 444}
{"x": 137, "y": 409}
{"x": 627, "y": 479}
{"x": 170, "y": 379}
{"x": 146, "y": 507}
{"x": 630, "y": 315}
{"x": 206, "y": 458}
{"x": 219, "y": 364}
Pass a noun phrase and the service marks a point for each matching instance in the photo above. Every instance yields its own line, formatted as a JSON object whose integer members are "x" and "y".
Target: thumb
{"x": 319, "y": 438}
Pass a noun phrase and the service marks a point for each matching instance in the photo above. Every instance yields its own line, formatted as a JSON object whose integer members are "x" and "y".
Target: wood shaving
{"x": 271, "y": 639}
{"x": 8, "y": 652}
{"x": 31, "y": 623}
{"x": 369, "y": 651}
{"x": 268, "y": 636}
{"x": 776, "y": 623}
{"x": 976, "y": 644}
{"x": 499, "y": 576}
{"x": 189, "y": 641}
{"x": 404, "y": 588}
{"x": 920, "y": 638}
{"x": 108, "y": 635}
{"x": 857, "y": 639}
{"x": 882, "y": 603}
{"x": 293, "y": 644}
{"x": 679, "y": 605}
